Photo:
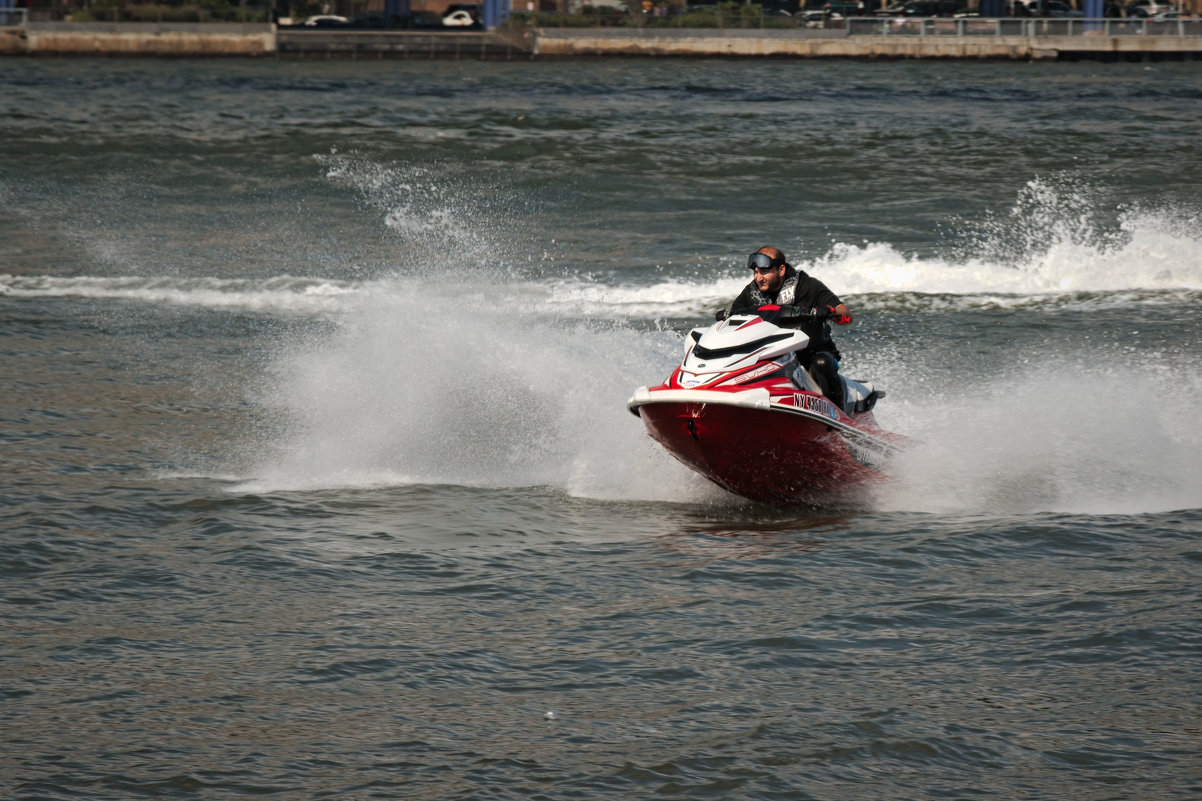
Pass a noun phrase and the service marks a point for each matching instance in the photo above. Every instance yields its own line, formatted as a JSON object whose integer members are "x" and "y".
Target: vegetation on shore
{"x": 192, "y": 11}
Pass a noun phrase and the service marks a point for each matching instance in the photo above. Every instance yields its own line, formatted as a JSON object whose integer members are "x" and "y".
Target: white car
{"x": 1146, "y": 8}
{"x": 459, "y": 19}
{"x": 325, "y": 21}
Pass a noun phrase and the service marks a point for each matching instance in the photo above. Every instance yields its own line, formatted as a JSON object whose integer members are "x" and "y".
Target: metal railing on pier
{"x": 985, "y": 26}
{"x": 810, "y": 24}
{"x": 13, "y": 17}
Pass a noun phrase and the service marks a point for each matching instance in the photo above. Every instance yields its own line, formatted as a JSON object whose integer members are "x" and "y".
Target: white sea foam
{"x": 1065, "y": 437}
{"x": 502, "y": 397}
{"x": 287, "y": 294}
{"x": 1053, "y": 244}
{"x": 483, "y": 395}
{"x": 1048, "y": 248}
{"x": 1158, "y": 255}
{"x": 491, "y": 394}
{"x": 523, "y": 380}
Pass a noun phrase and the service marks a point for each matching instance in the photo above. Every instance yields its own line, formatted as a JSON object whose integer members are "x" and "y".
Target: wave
{"x": 1053, "y": 437}
{"x": 1049, "y": 250}
{"x": 1150, "y": 270}
{"x": 392, "y": 396}
{"x": 1056, "y": 245}
{"x": 279, "y": 294}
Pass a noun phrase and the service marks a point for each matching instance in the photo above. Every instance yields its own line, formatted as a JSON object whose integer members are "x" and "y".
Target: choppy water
{"x": 318, "y": 480}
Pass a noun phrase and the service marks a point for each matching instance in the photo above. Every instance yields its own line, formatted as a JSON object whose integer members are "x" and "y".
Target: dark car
{"x": 924, "y": 8}
{"x": 421, "y": 20}
{"x": 844, "y": 8}
{"x": 1057, "y": 9}
{"x": 376, "y": 22}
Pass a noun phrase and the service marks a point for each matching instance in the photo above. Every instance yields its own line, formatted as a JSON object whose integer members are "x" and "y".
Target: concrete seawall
{"x": 12, "y": 41}
{"x": 250, "y": 39}
{"x": 139, "y": 39}
{"x": 235, "y": 39}
{"x": 566, "y": 42}
{"x": 450, "y": 44}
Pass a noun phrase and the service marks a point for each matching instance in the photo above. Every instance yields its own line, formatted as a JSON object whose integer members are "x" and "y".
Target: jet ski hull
{"x": 742, "y": 411}
{"x": 766, "y": 451}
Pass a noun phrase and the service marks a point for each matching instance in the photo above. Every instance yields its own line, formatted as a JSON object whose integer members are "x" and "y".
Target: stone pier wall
{"x": 566, "y": 42}
{"x": 144, "y": 39}
{"x": 234, "y": 39}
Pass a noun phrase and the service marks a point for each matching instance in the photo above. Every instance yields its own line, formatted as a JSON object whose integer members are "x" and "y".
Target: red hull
{"x": 760, "y": 454}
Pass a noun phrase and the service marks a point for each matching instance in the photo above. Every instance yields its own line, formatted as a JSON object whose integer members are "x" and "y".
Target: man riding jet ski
{"x": 741, "y": 410}
{"x": 775, "y": 284}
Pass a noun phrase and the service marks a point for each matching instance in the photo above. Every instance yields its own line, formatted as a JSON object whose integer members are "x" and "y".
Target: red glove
{"x": 839, "y": 319}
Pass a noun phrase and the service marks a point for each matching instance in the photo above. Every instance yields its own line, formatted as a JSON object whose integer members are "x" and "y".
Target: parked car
{"x": 457, "y": 13}
{"x": 1056, "y": 9}
{"x": 813, "y": 18}
{"x": 844, "y": 8}
{"x": 325, "y": 21}
{"x": 459, "y": 19}
{"x": 374, "y": 22}
{"x": 424, "y": 20}
{"x": 618, "y": 6}
{"x": 1146, "y": 8}
{"x": 924, "y": 8}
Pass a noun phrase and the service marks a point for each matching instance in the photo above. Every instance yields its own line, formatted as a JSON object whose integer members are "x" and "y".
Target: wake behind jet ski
{"x": 741, "y": 410}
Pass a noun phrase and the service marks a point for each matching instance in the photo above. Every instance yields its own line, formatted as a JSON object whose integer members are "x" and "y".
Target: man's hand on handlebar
{"x": 840, "y": 315}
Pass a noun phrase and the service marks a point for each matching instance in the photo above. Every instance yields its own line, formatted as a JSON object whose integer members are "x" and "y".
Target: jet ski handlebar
{"x": 793, "y": 314}
{"x": 784, "y": 314}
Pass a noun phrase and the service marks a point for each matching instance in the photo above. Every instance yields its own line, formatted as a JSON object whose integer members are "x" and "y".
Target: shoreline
{"x": 49, "y": 39}
{"x": 958, "y": 45}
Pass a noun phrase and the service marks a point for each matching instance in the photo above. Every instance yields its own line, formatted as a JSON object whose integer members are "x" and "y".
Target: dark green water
{"x": 319, "y": 482}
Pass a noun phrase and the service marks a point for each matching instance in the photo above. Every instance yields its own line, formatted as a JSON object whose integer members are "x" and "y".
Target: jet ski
{"x": 741, "y": 410}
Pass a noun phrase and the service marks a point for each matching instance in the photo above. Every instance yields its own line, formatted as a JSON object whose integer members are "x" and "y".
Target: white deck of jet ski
{"x": 749, "y": 399}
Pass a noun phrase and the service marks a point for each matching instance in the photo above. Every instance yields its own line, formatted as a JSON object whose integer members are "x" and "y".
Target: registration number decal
{"x": 813, "y": 403}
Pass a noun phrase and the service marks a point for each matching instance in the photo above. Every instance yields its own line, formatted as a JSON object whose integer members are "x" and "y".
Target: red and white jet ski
{"x": 742, "y": 411}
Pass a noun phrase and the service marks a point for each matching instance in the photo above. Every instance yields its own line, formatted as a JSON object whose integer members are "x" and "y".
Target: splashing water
{"x": 1066, "y": 437}
{"x": 523, "y": 381}
{"x": 437, "y": 215}
{"x": 479, "y": 394}
{"x": 1054, "y": 241}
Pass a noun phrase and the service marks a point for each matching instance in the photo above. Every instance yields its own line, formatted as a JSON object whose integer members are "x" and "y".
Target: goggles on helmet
{"x": 762, "y": 262}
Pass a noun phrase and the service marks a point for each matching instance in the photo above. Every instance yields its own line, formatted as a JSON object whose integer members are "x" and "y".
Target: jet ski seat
{"x": 859, "y": 396}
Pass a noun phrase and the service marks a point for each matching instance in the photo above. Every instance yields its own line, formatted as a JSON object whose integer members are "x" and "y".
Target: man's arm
{"x": 743, "y": 303}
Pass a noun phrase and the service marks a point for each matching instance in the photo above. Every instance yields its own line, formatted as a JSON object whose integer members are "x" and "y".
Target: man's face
{"x": 769, "y": 279}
